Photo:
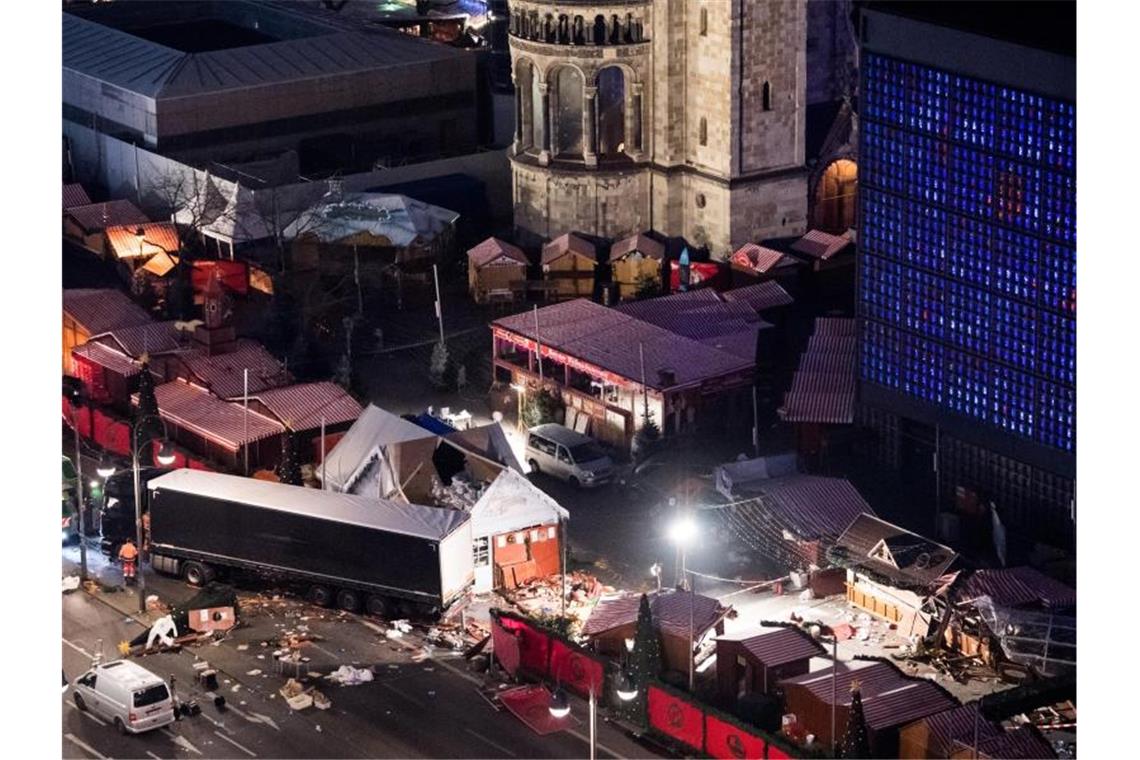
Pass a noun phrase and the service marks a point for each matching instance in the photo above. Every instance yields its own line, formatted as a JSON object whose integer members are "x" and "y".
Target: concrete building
{"x": 683, "y": 116}
{"x": 967, "y": 258}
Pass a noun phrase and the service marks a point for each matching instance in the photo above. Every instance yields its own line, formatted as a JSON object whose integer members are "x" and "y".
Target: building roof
{"x": 511, "y": 503}
{"x": 397, "y": 218}
{"x": 74, "y": 195}
{"x": 895, "y": 553}
{"x": 99, "y": 216}
{"x": 495, "y": 251}
{"x": 301, "y": 406}
{"x": 223, "y": 374}
{"x": 821, "y": 245}
{"x": 778, "y": 646}
{"x": 99, "y": 51}
{"x": 761, "y": 296}
{"x": 757, "y": 258}
{"x": 410, "y": 519}
{"x": 374, "y": 427}
{"x": 640, "y": 243}
{"x": 158, "y": 237}
{"x": 101, "y": 309}
{"x": 109, "y": 358}
{"x": 151, "y": 338}
{"x": 703, "y": 316}
{"x": 812, "y": 506}
{"x": 959, "y": 723}
{"x": 1018, "y": 587}
{"x": 1024, "y": 743}
{"x": 671, "y": 612}
{"x": 568, "y": 243}
{"x": 160, "y": 264}
{"x": 193, "y": 408}
{"x": 823, "y": 387}
{"x": 889, "y": 697}
{"x": 609, "y": 339}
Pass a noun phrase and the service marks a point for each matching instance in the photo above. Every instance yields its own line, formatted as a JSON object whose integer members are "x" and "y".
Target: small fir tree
{"x": 645, "y": 663}
{"x": 540, "y": 407}
{"x": 289, "y": 470}
{"x": 146, "y": 419}
{"x": 438, "y": 369}
{"x": 855, "y": 742}
{"x": 647, "y": 438}
{"x": 646, "y": 286}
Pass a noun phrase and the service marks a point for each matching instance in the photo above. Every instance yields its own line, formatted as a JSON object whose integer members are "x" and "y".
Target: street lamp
{"x": 682, "y": 532}
{"x": 105, "y": 468}
{"x": 559, "y": 703}
{"x": 165, "y": 456}
{"x": 626, "y": 687}
{"x": 655, "y": 571}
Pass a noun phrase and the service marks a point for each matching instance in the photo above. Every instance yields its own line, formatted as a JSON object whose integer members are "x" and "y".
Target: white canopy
{"x": 512, "y": 503}
{"x": 372, "y": 431}
{"x": 733, "y": 479}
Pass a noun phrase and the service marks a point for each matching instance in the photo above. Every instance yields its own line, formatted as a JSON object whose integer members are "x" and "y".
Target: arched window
{"x": 578, "y": 31}
{"x": 548, "y": 29}
{"x": 767, "y": 96}
{"x": 611, "y": 111}
{"x": 704, "y": 22}
{"x": 615, "y": 30}
{"x": 599, "y": 29}
{"x": 568, "y": 112}
{"x": 704, "y": 131}
{"x": 563, "y": 29}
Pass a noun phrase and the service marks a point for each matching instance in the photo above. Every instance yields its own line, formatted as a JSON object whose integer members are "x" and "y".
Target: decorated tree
{"x": 540, "y": 407}
{"x": 645, "y": 664}
{"x": 289, "y": 470}
{"x": 438, "y": 369}
{"x": 855, "y": 742}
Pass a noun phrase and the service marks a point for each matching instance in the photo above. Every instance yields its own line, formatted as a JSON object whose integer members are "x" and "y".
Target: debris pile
{"x": 539, "y": 597}
{"x": 347, "y": 675}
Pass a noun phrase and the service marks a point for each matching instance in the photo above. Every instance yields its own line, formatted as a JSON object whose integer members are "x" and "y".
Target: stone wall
{"x": 549, "y": 203}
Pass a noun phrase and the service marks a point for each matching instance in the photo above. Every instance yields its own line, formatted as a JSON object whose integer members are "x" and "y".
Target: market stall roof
{"x": 512, "y": 503}
{"x": 109, "y": 358}
{"x": 812, "y": 506}
{"x": 890, "y": 698}
{"x": 126, "y": 242}
{"x": 101, "y": 309}
{"x": 779, "y": 645}
{"x": 409, "y": 519}
{"x": 703, "y": 316}
{"x": 74, "y": 195}
{"x": 197, "y": 410}
{"x": 150, "y": 338}
{"x": 821, "y": 245}
{"x": 99, "y": 216}
{"x": 302, "y": 406}
{"x": 160, "y": 264}
{"x": 223, "y": 373}
{"x": 610, "y": 340}
{"x": 823, "y": 387}
{"x": 671, "y": 611}
{"x": 761, "y": 296}
{"x": 640, "y": 243}
{"x": 944, "y": 728}
{"x": 568, "y": 243}
{"x": 760, "y": 259}
{"x": 1020, "y": 743}
{"x": 397, "y": 218}
{"x": 1018, "y": 587}
{"x": 494, "y": 251}
{"x": 374, "y": 428}
{"x": 892, "y": 552}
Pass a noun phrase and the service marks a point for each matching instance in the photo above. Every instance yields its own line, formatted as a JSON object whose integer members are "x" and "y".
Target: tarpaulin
{"x": 534, "y": 645}
{"x": 506, "y": 646}
{"x": 531, "y": 705}
{"x": 575, "y": 669}
{"x": 676, "y": 718}
{"x": 725, "y": 740}
{"x": 82, "y": 418}
{"x": 234, "y": 275}
{"x": 701, "y": 274}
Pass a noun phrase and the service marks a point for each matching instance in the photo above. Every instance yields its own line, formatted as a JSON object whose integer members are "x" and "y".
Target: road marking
{"x": 266, "y": 720}
{"x": 499, "y": 747}
{"x": 87, "y": 714}
{"x": 156, "y": 757}
{"x": 181, "y": 741}
{"x": 251, "y": 753}
{"x": 79, "y": 649}
{"x": 320, "y": 648}
{"x": 477, "y": 682}
{"x": 85, "y": 746}
{"x": 248, "y": 717}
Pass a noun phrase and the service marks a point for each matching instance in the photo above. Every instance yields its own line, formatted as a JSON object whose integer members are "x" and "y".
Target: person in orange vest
{"x": 129, "y": 555}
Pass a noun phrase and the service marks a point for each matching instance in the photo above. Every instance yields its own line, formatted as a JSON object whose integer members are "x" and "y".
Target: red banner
{"x": 234, "y": 275}
{"x": 576, "y": 670}
{"x": 506, "y": 645}
{"x": 676, "y": 718}
{"x": 725, "y": 740}
{"x": 534, "y": 645}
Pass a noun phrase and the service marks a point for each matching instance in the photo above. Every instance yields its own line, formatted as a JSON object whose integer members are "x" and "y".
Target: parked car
{"x": 127, "y": 694}
{"x": 558, "y": 451}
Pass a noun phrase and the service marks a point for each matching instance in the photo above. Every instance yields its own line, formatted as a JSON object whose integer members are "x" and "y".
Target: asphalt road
{"x": 427, "y": 709}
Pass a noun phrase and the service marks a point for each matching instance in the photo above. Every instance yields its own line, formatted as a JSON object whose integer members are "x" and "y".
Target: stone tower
{"x": 683, "y": 116}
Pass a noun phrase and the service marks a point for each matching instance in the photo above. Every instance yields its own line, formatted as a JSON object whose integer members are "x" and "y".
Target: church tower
{"x": 684, "y": 116}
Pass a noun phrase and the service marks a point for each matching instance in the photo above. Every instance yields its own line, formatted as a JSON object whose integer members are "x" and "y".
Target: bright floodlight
{"x": 626, "y": 688}
{"x": 559, "y": 703}
{"x": 105, "y": 468}
{"x": 165, "y": 453}
{"x": 629, "y": 645}
{"x": 682, "y": 531}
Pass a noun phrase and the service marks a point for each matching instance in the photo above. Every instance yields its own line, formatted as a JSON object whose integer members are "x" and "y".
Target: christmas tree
{"x": 146, "y": 419}
{"x": 855, "y": 743}
{"x": 289, "y": 470}
{"x": 645, "y": 662}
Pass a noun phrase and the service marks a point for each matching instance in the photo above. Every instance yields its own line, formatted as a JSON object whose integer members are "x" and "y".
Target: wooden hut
{"x": 569, "y": 262}
{"x": 496, "y": 270}
{"x": 756, "y": 662}
{"x": 633, "y": 259}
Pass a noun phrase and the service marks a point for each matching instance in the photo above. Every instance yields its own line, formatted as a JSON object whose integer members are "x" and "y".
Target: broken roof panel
{"x": 513, "y": 503}
{"x": 397, "y": 218}
{"x": 812, "y": 506}
{"x": 914, "y": 561}
{"x": 1018, "y": 587}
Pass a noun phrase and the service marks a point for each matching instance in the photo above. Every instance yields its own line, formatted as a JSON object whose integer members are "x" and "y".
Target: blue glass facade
{"x": 967, "y": 278}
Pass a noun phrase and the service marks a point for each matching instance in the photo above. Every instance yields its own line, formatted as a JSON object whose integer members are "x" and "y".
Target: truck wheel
{"x": 197, "y": 573}
{"x": 574, "y": 482}
{"x": 322, "y": 596}
{"x": 348, "y": 600}
{"x": 377, "y": 606}
{"x": 533, "y": 466}
{"x": 120, "y": 726}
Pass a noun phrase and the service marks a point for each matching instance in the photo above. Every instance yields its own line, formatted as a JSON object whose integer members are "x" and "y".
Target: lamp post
{"x": 655, "y": 571}
{"x": 560, "y": 705}
{"x": 681, "y": 532}
{"x": 165, "y": 456}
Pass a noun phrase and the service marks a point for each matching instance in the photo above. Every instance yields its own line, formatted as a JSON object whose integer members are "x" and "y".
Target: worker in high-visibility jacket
{"x": 128, "y": 555}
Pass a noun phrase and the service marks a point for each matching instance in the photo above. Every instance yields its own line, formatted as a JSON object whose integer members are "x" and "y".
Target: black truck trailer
{"x": 358, "y": 552}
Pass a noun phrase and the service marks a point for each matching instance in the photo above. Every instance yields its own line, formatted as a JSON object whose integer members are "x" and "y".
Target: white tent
{"x": 368, "y": 438}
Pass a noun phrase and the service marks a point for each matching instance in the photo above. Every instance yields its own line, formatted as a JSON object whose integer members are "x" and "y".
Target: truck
{"x": 357, "y": 552}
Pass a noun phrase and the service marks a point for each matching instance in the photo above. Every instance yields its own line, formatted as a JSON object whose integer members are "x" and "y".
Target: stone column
{"x": 544, "y": 152}
{"x": 636, "y": 132}
{"x": 518, "y": 116}
{"x": 590, "y": 126}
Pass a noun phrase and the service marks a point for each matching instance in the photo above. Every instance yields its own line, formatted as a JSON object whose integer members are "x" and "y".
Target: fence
{"x": 523, "y": 647}
{"x": 114, "y": 435}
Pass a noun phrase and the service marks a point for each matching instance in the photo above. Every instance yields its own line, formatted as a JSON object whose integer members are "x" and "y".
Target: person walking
{"x": 129, "y": 555}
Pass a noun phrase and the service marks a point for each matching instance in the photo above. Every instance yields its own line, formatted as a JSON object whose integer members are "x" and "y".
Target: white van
{"x": 557, "y": 450}
{"x": 127, "y": 694}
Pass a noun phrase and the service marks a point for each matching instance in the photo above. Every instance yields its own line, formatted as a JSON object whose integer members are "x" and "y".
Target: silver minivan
{"x": 127, "y": 694}
{"x": 557, "y": 450}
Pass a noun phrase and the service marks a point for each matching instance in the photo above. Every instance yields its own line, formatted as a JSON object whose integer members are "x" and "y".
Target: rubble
{"x": 70, "y": 583}
{"x": 347, "y": 675}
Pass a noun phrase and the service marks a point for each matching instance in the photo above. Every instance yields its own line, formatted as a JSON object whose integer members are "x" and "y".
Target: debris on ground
{"x": 320, "y": 701}
{"x": 70, "y": 583}
{"x": 539, "y": 597}
{"x": 347, "y": 675}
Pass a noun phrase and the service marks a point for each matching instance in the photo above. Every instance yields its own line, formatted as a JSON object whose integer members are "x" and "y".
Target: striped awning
{"x": 823, "y": 388}
{"x": 108, "y": 358}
